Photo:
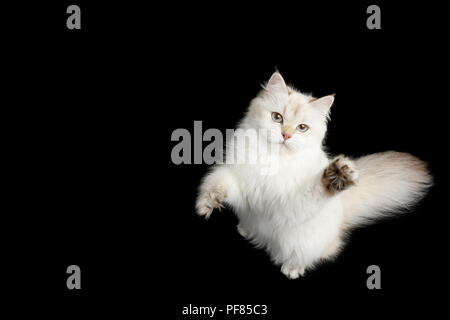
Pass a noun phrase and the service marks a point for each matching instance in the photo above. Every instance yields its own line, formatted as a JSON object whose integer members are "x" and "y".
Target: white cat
{"x": 301, "y": 211}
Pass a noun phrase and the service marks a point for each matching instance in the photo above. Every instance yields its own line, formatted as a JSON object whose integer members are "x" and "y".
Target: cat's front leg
{"x": 209, "y": 200}
{"x": 339, "y": 175}
{"x": 217, "y": 186}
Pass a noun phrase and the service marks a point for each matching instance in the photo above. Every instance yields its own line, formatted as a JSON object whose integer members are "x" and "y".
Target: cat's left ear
{"x": 276, "y": 84}
{"x": 323, "y": 104}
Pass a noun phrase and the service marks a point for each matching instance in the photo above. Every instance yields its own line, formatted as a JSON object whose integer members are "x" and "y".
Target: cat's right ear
{"x": 323, "y": 104}
{"x": 276, "y": 84}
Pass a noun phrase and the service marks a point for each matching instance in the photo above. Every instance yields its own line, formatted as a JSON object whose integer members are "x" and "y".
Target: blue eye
{"x": 302, "y": 127}
{"x": 277, "y": 117}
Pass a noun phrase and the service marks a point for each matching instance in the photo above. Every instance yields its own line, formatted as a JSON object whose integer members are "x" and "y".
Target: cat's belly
{"x": 301, "y": 230}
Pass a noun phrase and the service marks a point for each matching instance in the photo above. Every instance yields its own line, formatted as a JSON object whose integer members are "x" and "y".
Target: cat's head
{"x": 292, "y": 120}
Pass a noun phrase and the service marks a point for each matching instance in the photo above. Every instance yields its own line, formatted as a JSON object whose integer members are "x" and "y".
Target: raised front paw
{"x": 209, "y": 200}
{"x": 339, "y": 175}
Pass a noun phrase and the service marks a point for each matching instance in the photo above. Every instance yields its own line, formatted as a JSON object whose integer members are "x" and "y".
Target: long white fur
{"x": 288, "y": 212}
{"x": 389, "y": 182}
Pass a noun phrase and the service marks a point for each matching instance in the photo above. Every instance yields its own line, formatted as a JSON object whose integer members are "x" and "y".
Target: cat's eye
{"x": 277, "y": 117}
{"x": 302, "y": 127}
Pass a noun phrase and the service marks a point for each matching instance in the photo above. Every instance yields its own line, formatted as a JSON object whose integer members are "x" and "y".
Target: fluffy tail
{"x": 388, "y": 182}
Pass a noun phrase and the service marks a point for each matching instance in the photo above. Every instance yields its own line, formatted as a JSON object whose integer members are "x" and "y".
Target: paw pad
{"x": 339, "y": 175}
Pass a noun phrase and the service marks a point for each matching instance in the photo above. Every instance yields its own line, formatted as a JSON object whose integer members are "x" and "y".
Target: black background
{"x": 88, "y": 119}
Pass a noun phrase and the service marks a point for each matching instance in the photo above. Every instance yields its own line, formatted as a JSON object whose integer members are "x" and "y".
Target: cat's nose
{"x": 285, "y": 135}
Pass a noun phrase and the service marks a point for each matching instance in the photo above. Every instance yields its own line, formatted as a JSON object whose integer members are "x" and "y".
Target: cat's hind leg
{"x": 292, "y": 272}
{"x": 292, "y": 267}
{"x": 242, "y": 231}
{"x": 333, "y": 249}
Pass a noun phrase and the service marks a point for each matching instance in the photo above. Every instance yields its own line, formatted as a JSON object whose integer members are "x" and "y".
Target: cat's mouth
{"x": 285, "y": 144}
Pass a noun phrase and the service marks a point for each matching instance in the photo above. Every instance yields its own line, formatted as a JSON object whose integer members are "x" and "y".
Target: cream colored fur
{"x": 280, "y": 200}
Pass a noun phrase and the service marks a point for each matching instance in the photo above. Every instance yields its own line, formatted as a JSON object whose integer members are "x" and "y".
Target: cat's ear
{"x": 323, "y": 104}
{"x": 276, "y": 84}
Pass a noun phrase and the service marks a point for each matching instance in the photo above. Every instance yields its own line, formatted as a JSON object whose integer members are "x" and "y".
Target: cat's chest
{"x": 287, "y": 186}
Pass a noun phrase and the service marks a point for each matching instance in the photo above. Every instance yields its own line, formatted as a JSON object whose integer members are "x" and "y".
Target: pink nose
{"x": 285, "y": 136}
